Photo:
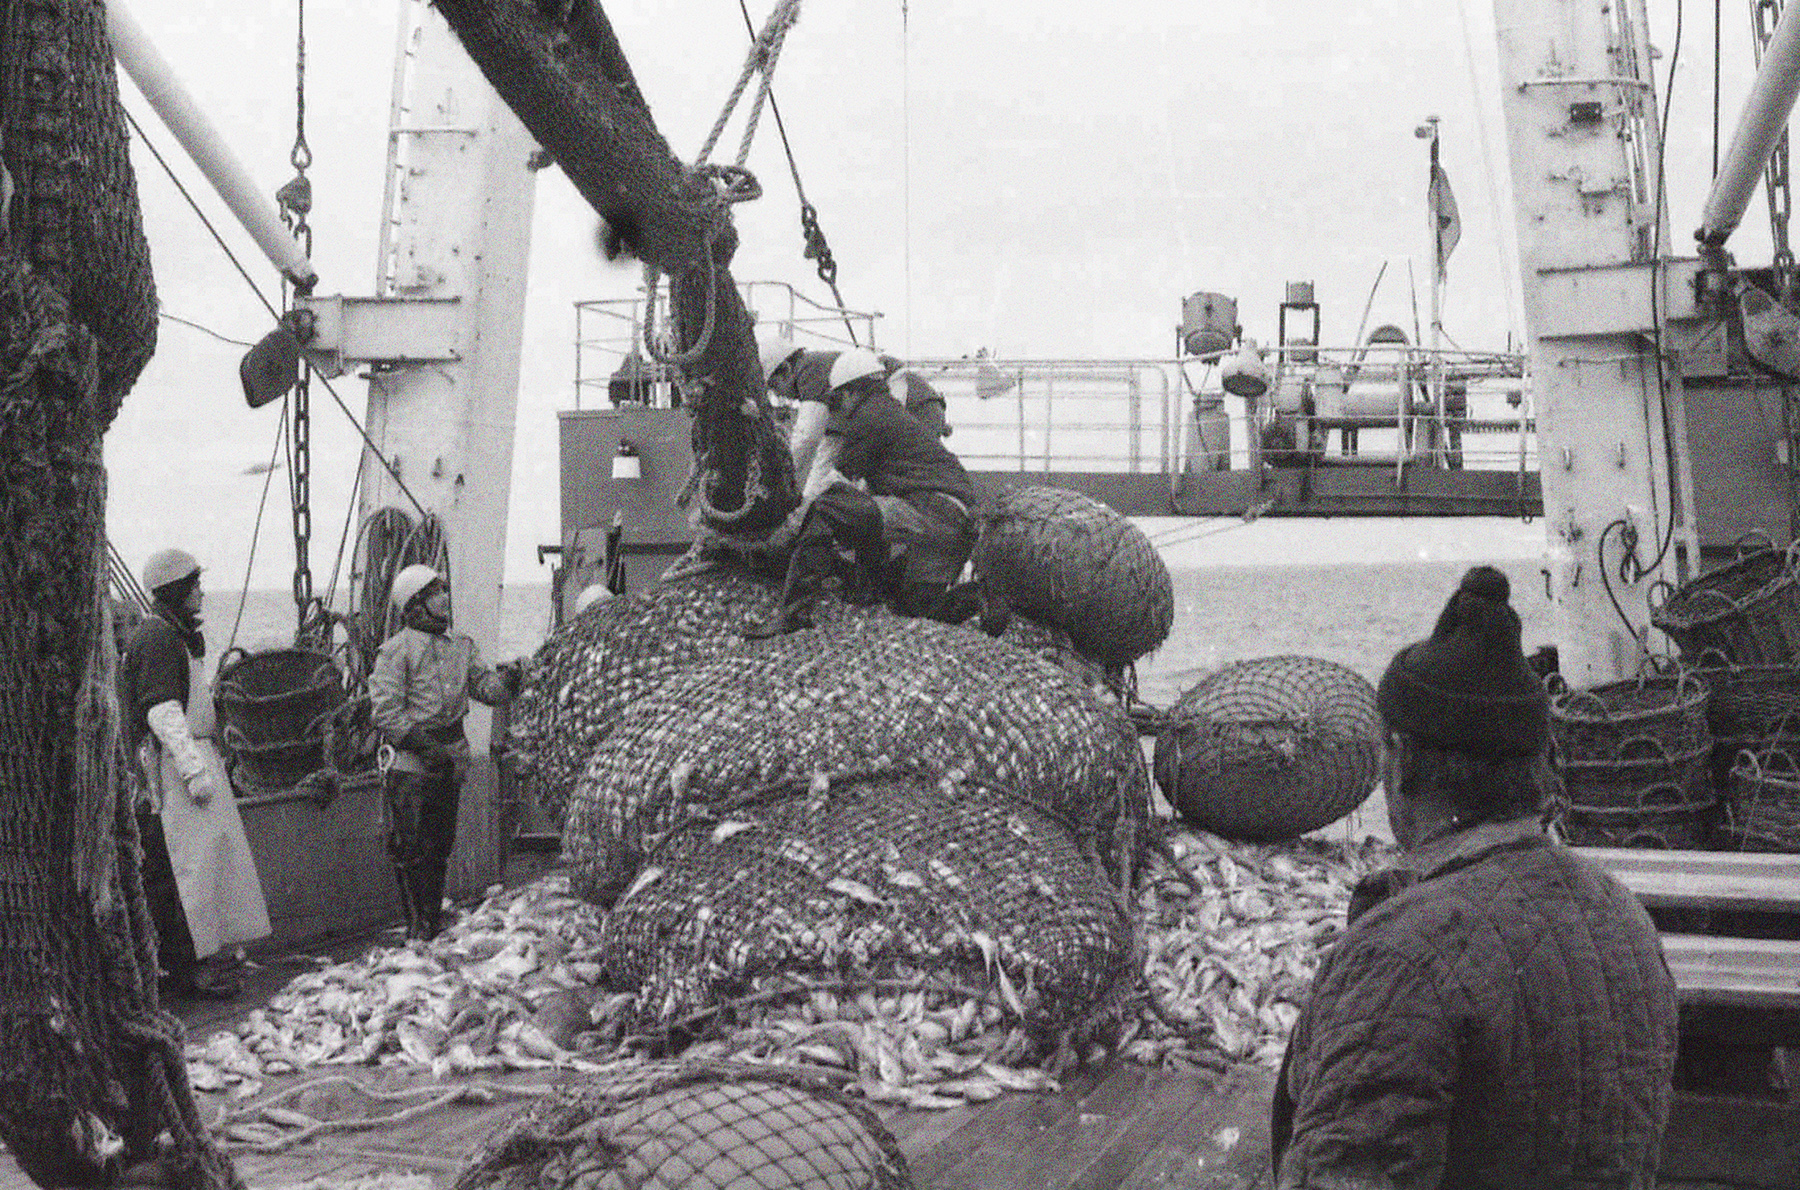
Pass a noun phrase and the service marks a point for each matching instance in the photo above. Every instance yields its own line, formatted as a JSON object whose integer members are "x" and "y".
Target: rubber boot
{"x": 814, "y": 560}
{"x": 866, "y": 582}
{"x": 960, "y": 604}
{"x": 405, "y": 877}
{"x": 428, "y": 894}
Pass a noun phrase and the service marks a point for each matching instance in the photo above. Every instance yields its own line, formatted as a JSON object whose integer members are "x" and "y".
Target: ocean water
{"x": 1356, "y": 614}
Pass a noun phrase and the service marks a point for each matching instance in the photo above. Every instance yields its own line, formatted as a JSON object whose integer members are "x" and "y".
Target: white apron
{"x": 214, "y": 870}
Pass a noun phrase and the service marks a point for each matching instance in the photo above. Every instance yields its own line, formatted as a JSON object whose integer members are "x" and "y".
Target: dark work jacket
{"x": 1506, "y": 1021}
{"x": 890, "y": 448}
{"x": 153, "y": 670}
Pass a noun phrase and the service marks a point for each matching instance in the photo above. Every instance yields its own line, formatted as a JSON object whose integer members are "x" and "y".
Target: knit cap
{"x": 1467, "y": 687}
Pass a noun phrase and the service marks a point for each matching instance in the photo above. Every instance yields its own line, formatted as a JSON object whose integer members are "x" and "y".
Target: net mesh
{"x": 602, "y": 661}
{"x": 711, "y": 1126}
{"x": 91, "y": 1074}
{"x": 884, "y": 877}
{"x": 854, "y": 697}
{"x": 1270, "y": 748}
{"x": 1069, "y": 561}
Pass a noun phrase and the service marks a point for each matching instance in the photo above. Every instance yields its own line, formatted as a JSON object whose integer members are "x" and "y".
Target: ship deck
{"x": 1117, "y": 1126}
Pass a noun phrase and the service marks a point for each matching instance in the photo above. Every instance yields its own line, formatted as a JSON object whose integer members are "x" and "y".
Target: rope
{"x": 765, "y": 50}
{"x": 652, "y": 284}
{"x": 817, "y": 249}
{"x": 255, "y": 537}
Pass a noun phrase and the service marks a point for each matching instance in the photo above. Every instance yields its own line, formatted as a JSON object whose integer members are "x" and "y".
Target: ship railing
{"x": 609, "y": 337}
{"x": 1377, "y": 403}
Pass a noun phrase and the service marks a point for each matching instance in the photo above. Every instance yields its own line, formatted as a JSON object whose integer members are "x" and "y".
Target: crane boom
{"x": 1761, "y": 126}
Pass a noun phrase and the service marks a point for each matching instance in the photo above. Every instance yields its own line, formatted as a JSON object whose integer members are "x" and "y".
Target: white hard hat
{"x": 854, "y": 364}
{"x": 775, "y": 350}
{"x": 410, "y": 582}
{"x": 590, "y": 595}
{"x": 168, "y": 566}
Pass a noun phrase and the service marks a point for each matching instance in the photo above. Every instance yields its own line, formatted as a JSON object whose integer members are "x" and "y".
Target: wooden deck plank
{"x": 998, "y": 1131}
{"x": 1164, "y": 1101}
{"x": 1222, "y": 1143}
{"x": 1051, "y": 1158}
{"x": 1705, "y": 879}
{"x": 1752, "y": 972}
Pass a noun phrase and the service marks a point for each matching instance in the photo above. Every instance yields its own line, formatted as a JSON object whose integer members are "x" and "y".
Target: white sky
{"x": 1047, "y": 180}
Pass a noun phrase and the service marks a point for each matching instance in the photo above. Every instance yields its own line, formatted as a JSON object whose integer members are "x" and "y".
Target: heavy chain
{"x": 1764, "y": 14}
{"x": 816, "y": 247}
{"x": 295, "y": 200}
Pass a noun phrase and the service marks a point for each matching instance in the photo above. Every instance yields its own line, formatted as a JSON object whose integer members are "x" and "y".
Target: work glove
{"x": 168, "y": 722}
{"x": 431, "y": 754}
{"x": 203, "y": 787}
{"x": 512, "y": 676}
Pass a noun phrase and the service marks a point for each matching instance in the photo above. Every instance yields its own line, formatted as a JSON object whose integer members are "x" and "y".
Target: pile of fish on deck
{"x": 902, "y": 854}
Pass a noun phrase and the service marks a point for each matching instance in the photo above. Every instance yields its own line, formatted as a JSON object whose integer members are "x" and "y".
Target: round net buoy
{"x": 1069, "y": 561}
{"x": 1271, "y": 748}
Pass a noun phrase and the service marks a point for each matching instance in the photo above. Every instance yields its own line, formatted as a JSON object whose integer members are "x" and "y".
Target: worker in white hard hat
{"x": 590, "y": 595}
{"x": 917, "y": 395}
{"x": 200, "y": 879}
{"x": 419, "y": 691}
{"x": 855, "y": 432}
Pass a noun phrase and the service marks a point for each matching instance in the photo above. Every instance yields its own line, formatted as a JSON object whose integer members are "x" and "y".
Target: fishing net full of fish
{"x": 893, "y": 880}
{"x": 1071, "y": 562}
{"x": 701, "y": 1126}
{"x": 856, "y": 697}
{"x": 599, "y": 663}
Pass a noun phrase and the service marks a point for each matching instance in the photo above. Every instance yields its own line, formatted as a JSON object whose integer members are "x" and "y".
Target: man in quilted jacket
{"x": 1498, "y": 1013}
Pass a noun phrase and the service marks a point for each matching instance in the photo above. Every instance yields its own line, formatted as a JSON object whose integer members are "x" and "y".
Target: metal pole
{"x": 189, "y": 125}
{"x": 1439, "y": 433}
{"x": 1765, "y": 118}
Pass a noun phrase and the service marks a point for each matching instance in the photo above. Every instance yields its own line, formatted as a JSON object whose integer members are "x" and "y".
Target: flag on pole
{"x": 1446, "y": 224}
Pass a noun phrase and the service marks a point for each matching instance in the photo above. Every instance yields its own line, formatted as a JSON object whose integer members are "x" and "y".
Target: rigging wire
{"x": 274, "y": 314}
{"x": 255, "y": 536}
{"x": 906, "y": 171}
{"x": 1509, "y": 273}
{"x": 208, "y": 223}
{"x": 205, "y": 330}
{"x": 817, "y": 249}
{"x": 1632, "y": 569}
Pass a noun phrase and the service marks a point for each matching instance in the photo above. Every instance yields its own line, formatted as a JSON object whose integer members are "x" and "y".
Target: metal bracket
{"x": 351, "y": 331}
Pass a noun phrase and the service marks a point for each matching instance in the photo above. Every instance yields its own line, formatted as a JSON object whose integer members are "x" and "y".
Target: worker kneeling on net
{"x": 419, "y": 691}
{"x": 1499, "y": 1012}
{"x": 910, "y": 533}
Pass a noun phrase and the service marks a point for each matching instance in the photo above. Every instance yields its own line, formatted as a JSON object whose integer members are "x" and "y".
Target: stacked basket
{"x": 1634, "y": 759}
{"x": 1739, "y": 625}
{"x": 1763, "y": 802}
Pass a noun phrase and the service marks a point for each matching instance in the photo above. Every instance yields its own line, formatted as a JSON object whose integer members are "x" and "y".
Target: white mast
{"x": 456, "y": 227}
{"x": 1581, "y": 116}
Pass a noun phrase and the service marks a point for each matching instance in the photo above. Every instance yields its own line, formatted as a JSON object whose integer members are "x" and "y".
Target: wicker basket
{"x": 1653, "y": 718}
{"x": 1762, "y": 806}
{"x": 276, "y": 714}
{"x": 1748, "y": 611}
{"x": 1676, "y": 782}
{"x": 1752, "y": 706}
{"x": 1668, "y": 828}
